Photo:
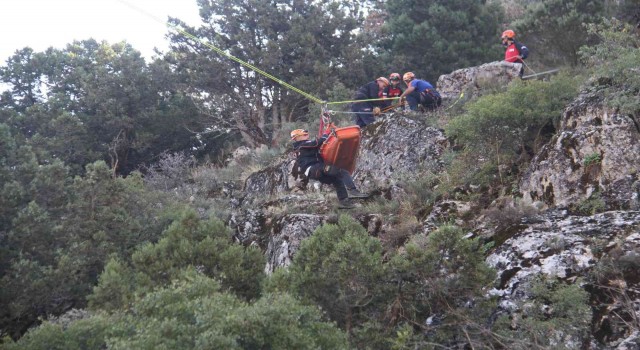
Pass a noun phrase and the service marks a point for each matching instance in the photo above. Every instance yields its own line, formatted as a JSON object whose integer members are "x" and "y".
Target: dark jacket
{"x": 370, "y": 91}
{"x": 308, "y": 152}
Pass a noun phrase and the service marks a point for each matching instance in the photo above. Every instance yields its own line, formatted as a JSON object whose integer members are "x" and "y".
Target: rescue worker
{"x": 420, "y": 93}
{"x": 394, "y": 90}
{"x": 366, "y": 111}
{"x": 310, "y": 163}
{"x": 515, "y": 52}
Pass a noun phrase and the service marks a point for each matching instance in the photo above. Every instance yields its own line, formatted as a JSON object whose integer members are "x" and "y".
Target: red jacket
{"x": 515, "y": 49}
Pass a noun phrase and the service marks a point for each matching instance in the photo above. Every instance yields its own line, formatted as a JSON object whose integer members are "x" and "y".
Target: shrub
{"x": 504, "y": 126}
{"x": 188, "y": 242}
{"x": 593, "y": 158}
{"x": 614, "y": 62}
{"x": 557, "y": 316}
{"x": 339, "y": 268}
{"x": 194, "y": 313}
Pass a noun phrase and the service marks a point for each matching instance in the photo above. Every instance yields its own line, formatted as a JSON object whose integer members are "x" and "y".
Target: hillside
{"x": 155, "y": 206}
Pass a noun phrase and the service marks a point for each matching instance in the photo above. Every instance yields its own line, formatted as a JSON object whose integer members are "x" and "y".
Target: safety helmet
{"x": 384, "y": 80}
{"x": 408, "y": 76}
{"x": 394, "y": 76}
{"x": 298, "y": 132}
{"x": 508, "y": 34}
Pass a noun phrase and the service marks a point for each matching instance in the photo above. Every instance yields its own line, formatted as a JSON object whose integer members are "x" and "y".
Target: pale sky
{"x": 40, "y": 24}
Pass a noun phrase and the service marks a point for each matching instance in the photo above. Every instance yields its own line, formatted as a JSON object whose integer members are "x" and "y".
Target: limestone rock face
{"x": 595, "y": 154}
{"x": 474, "y": 79}
{"x": 272, "y": 181}
{"x": 398, "y": 148}
{"x": 565, "y": 247}
{"x": 286, "y": 236}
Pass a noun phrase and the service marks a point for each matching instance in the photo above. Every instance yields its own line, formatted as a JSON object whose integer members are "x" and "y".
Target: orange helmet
{"x": 298, "y": 132}
{"x": 394, "y": 76}
{"x": 408, "y": 76}
{"x": 508, "y": 34}
{"x": 384, "y": 80}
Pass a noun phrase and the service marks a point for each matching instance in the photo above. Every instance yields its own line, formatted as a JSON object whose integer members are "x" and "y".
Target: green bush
{"x": 593, "y": 158}
{"x": 339, "y": 268}
{"x": 614, "y": 62}
{"x": 193, "y": 313}
{"x": 188, "y": 242}
{"x": 504, "y": 129}
{"x": 557, "y": 316}
{"x": 590, "y": 206}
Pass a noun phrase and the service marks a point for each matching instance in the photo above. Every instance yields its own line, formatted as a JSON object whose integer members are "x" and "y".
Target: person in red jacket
{"x": 515, "y": 52}
{"x": 394, "y": 90}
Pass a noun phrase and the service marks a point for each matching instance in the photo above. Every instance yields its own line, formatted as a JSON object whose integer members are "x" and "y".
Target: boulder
{"x": 594, "y": 156}
{"x": 570, "y": 248}
{"x": 473, "y": 80}
{"x": 286, "y": 236}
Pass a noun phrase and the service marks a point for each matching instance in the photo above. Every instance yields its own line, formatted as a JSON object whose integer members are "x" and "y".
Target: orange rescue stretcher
{"x": 341, "y": 148}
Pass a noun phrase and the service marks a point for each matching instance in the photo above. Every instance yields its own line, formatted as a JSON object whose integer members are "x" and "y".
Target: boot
{"x": 345, "y": 204}
{"x": 354, "y": 193}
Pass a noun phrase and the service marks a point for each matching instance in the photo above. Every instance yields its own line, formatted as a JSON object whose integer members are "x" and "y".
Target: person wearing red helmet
{"x": 366, "y": 110}
{"x": 394, "y": 90}
{"x": 515, "y": 52}
{"x": 310, "y": 163}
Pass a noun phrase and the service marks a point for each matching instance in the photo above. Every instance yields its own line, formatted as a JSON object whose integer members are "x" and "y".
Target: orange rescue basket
{"x": 341, "y": 148}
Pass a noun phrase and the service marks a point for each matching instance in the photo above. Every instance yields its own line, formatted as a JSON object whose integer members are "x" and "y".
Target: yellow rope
{"x": 372, "y": 99}
{"x": 456, "y": 101}
{"x": 221, "y": 52}
{"x": 246, "y": 64}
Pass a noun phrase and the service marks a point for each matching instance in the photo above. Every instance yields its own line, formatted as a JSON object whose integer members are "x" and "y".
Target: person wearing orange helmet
{"x": 394, "y": 90}
{"x": 310, "y": 163}
{"x": 515, "y": 52}
{"x": 369, "y": 106}
{"x": 420, "y": 92}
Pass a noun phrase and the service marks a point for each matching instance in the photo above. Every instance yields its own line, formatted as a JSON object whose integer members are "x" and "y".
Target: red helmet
{"x": 508, "y": 34}
{"x": 394, "y": 76}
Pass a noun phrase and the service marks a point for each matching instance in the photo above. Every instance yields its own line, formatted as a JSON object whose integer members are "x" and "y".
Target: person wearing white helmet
{"x": 370, "y": 102}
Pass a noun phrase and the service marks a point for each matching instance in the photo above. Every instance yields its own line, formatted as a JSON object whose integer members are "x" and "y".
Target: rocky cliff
{"x": 591, "y": 165}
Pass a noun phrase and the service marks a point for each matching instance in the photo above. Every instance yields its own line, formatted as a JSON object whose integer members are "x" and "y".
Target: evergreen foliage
{"x": 93, "y": 101}
{"x": 558, "y": 315}
{"x": 188, "y": 242}
{"x": 193, "y": 313}
{"x": 554, "y": 29}
{"x": 155, "y": 271}
{"x": 309, "y": 45}
{"x": 504, "y": 129}
{"x": 340, "y": 269}
{"x": 615, "y": 64}
{"x": 440, "y": 36}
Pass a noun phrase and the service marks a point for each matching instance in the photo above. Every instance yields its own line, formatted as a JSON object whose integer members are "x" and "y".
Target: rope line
{"x": 372, "y": 99}
{"x": 246, "y": 64}
{"x": 225, "y": 54}
{"x": 456, "y": 101}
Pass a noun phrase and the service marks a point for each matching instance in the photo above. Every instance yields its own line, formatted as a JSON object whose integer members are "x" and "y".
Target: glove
{"x": 376, "y": 111}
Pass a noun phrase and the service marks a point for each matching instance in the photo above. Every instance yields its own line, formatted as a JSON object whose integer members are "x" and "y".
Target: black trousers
{"x": 330, "y": 175}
